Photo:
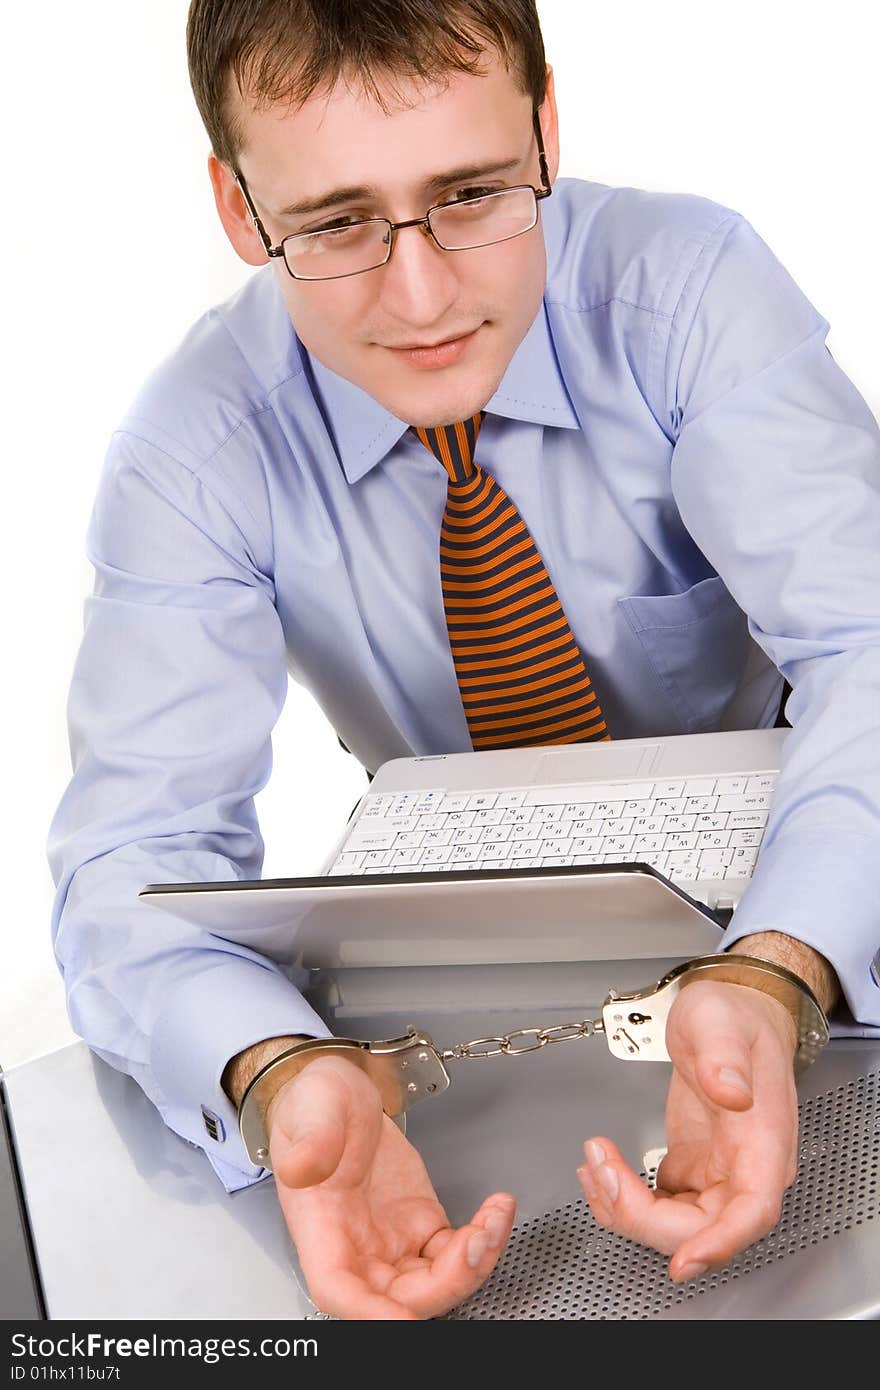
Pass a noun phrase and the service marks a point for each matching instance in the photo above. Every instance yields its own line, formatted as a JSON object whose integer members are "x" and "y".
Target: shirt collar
{"x": 531, "y": 389}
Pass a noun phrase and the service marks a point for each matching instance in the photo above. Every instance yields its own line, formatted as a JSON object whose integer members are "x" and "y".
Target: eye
{"x": 477, "y": 192}
{"x": 337, "y": 224}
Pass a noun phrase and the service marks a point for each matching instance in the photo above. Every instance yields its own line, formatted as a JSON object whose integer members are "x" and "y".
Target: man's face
{"x": 359, "y": 325}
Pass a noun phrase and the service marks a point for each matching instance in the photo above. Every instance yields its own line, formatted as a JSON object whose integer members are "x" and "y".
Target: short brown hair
{"x": 283, "y": 50}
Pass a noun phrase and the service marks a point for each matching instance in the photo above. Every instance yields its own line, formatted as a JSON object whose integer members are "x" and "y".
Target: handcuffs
{"x": 411, "y": 1068}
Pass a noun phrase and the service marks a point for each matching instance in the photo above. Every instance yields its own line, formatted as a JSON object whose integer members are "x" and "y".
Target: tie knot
{"x": 453, "y": 445}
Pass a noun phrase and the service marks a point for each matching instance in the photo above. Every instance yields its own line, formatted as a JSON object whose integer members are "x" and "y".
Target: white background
{"x": 112, "y": 247}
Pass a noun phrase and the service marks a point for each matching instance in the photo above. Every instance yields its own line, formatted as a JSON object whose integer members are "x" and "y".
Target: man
{"x": 655, "y": 400}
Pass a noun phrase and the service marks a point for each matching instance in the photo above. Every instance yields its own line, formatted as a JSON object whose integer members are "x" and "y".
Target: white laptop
{"x": 636, "y": 848}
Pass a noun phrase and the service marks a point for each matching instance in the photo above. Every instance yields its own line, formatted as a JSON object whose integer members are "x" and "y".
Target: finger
{"x": 344, "y": 1294}
{"x": 710, "y": 1044}
{"x": 744, "y": 1219}
{"x": 621, "y": 1202}
{"x": 464, "y": 1260}
{"x": 495, "y": 1216}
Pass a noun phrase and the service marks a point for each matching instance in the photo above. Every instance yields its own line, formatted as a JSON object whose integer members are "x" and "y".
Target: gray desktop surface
{"x": 130, "y": 1222}
{"x": 20, "y": 1296}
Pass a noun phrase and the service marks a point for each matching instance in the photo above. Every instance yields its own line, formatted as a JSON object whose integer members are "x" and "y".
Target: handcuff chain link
{"x": 506, "y": 1044}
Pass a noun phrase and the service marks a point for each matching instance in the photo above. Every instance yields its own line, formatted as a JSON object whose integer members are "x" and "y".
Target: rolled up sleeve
{"x": 180, "y": 677}
{"x": 776, "y": 473}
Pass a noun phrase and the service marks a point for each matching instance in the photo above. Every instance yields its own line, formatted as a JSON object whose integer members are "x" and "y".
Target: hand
{"x": 372, "y": 1238}
{"x": 731, "y": 1124}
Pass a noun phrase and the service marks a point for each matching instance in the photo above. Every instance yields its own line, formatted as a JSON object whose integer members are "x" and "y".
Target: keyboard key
{"x": 488, "y": 817}
{"x": 463, "y": 854}
{"x": 555, "y": 861}
{"x": 455, "y": 801}
{"x": 713, "y": 839}
{"x": 496, "y": 849}
{"x": 466, "y": 835}
{"x": 716, "y": 856}
{"x": 649, "y": 825}
{"x": 409, "y": 839}
{"x": 758, "y": 801}
{"x": 401, "y": 857}
{"x": 394, "y": 822}
{"x": 431, "y": 822}
{"x": 699, "y": 786}
{"x": 482, "y": 801}
{"x": 638, "y": 808}
{"x": 455, "y": 819}
{"x": 662, "y": 790}
{"x": 377, "y": 804}
{"x": 649, "y": 842}
{"x": 746, "y": 837}
{"x": 348, "y": 861}
{"x": 521, "y": 815}
{"x": 731, "y": 786}
{"x": 526, "y": 849}
{"x": 586, "y": 844}
{"x": 524, "y": 832}
{"x": 509, "y": 799}
{"x": 437, "y": 855}
{"x": 376, "y": 859}
{"x": 623, "y": 826}
{"x": 437, "y": 837}
{"x": 746, "y": 820}
{"x": 679, "y": 823}
{"x": 607, "y": 810}
{"x": 669, "y": 806}
{"x": 578, "y": 810}
{"x": 711, "y": 820}
{"x": 588, "y": 859}
{"x": 681, "y": 841}
{"x": 495, "y": 832}
{"x": 702, "y": 803}
{"x": 370, "y": 839}
{"x": 617, "y": 844}
{"x": 765, "y": 782}
{"x": 556, "y": 847}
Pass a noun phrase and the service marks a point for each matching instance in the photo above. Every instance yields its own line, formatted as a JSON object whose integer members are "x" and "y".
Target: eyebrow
{"x": 361, "y": 192}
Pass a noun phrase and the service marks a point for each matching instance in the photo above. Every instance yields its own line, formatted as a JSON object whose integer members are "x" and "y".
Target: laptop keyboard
{"x": 694, "y": 830}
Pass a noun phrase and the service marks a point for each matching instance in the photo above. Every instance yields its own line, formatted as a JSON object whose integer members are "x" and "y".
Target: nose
{"x": 419, "y": 283}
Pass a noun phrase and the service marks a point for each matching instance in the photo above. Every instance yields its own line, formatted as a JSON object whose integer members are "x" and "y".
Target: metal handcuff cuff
{"x": 411, "y": 1068}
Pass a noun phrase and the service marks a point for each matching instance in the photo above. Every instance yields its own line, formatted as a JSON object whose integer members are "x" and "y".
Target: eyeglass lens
{"x": 460, "y": 226}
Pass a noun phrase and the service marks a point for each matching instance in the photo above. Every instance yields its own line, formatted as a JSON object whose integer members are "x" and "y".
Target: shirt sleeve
{"x": 179, "y": 680}
{"x": 776, "y": 474}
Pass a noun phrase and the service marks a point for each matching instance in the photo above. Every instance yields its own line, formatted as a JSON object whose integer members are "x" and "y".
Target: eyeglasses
{"x": 463, "y": 225}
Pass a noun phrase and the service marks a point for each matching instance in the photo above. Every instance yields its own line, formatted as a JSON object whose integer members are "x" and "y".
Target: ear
{"x": 549, "y": 118}
{"x": 233, "y": 212}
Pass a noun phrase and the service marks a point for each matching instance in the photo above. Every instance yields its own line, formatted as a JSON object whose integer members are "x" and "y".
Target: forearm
{"x": 801, "y": 960}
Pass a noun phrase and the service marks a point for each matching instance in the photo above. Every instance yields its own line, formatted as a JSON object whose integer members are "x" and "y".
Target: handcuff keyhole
{"x": 639, "y": 1018}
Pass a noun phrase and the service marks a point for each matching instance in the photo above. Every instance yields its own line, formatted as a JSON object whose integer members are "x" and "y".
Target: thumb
{"x": 309, "y": 1120}
{"x": 723, "y": 1071}
{"x": 709, "y": 1038}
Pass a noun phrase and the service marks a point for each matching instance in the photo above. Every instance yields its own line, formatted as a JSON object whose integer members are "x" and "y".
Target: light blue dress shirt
{"x": 703, "y": 484}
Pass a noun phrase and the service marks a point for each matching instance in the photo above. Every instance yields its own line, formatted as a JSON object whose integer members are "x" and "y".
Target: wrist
{"x": 812, "y": 968}
{"x": 241, "y": 1069}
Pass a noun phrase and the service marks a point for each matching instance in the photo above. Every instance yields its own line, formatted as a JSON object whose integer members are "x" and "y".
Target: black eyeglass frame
{"x": 273, "y": 251}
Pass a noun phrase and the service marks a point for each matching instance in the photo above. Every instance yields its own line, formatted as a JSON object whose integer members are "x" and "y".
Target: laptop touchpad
{"x": 588, "y": 762}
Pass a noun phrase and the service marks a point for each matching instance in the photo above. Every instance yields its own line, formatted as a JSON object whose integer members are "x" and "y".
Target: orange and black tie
{"x": 520, "y": 672}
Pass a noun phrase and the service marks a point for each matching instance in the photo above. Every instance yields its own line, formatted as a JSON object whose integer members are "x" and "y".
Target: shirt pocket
{"x": 697, "y": 643}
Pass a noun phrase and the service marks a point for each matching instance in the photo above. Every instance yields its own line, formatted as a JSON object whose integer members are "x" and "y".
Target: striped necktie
{"x": 520, "y": 673}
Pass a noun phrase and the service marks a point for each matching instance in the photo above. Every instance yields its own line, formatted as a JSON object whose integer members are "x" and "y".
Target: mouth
{"x": 439, "y": 354}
